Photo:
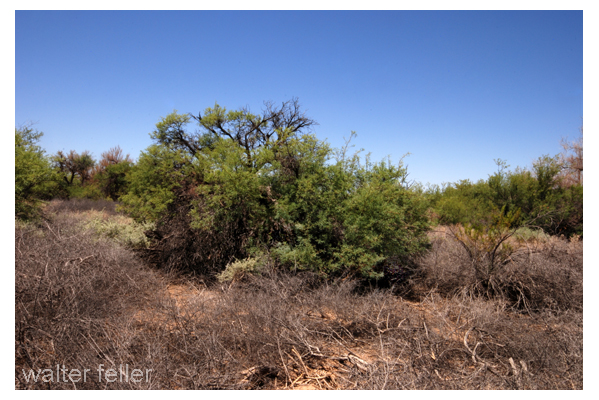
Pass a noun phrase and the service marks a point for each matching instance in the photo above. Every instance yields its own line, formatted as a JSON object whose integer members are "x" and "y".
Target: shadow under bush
{"x": 179, "y": 247}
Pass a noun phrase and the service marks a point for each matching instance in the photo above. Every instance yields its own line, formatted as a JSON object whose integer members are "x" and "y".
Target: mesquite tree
{"x": 263, "y": 185}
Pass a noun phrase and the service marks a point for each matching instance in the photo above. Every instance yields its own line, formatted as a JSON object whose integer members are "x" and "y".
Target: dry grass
{"x": 74, "y": 296}
{"x": 83, "y": 301}
{"x": 81, "y": 205}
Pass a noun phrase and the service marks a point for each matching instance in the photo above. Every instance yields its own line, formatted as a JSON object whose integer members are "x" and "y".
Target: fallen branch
{"x": 81, "y": 259}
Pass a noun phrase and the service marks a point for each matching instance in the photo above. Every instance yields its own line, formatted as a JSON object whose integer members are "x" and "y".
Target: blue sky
{"x": 456, "y": 89}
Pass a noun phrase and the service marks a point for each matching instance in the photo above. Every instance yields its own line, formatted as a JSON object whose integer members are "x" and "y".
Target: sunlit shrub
{"x": 231, "y": 188}
{"x": 119, "y": 228}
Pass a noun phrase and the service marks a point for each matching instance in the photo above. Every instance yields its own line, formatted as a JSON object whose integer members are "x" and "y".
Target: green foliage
{"x": 121, "y": 229}
{"x": 74, "y": 167}
{"x": 240, "y": 268}
{"x": 78, "y": 191}
{"x": 463, "y": 202}
{"x": 262, "y": 183}
{"x": 525, "y": 234}
{"x": 152, "y": 182}
{"x": 112, "y": 180}
{"x": 76, "y": 171}
{"x": 543, "y": 202}
{"x": 381, "y": 219}
{"x": 34, "y": 178}
{"x": 82, "y": 177}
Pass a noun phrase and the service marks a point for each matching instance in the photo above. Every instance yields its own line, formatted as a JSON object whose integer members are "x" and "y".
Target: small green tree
{"x": 111, "y": 171}
{"x": 34, "y": 178}
{"x": 487, "y": 247}
{"x": 74, "y": 165}
{"x": 381, "y": 219}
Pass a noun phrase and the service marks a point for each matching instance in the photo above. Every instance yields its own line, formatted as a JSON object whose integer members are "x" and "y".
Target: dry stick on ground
{"x": 301, "y": 361}
{"x": 81, "y": 259}
{"x": 283, "y": 361}
{"x": 351, "y": 356}
{"x": 476, "y": 358}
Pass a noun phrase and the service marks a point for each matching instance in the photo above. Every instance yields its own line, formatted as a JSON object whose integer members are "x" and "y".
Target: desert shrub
{"x": 110, "y": 173}
{"x": 112, "y": 179}
{"x": 526, "y": 234}
{"x": 487, "y": 247}
{"x": 74, "y": 167}
{"x": 240, "y": 268}
{"x": 543, "y": 202}
{"x": 247, "y": 183}
{"x": 462, "y": 202}
{"x": 81, "y": 176}
{"x": 101, "y": 217}
{"x": 34, "y": 178}
{"x": 152, "y": 183}
{"x": 90, "y": 190}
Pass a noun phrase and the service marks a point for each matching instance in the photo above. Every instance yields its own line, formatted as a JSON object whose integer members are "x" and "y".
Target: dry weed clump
{"x": 481, "y": 344}
{"x": 74, "y": 294}
{"x": 538, "y": 275}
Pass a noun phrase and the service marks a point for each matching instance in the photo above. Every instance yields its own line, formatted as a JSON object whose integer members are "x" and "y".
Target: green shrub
{"x": 89, "y": 191}
{"x": 525, "y": 234}
{"x": 246, "y": 182}
{"x": 152, "y": 182}
{"x": 543, "y": 202}
{"x": 239, "y": 268}
{"x": 35, "y": 179}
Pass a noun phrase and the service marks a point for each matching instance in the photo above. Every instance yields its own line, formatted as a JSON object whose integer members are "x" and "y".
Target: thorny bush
{"x": 246, "y": 185}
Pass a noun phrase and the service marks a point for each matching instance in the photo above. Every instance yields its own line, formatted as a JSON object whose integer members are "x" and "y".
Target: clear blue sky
{"x": 456, "y": 89}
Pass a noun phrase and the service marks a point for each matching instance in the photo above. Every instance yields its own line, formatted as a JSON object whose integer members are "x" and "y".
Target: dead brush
{"x": 81, "y": 302}
{"x": 496, "y": 348}
{"x": 547, "y": 278}
{"x": 529, "y": 275}
{"x": 269, "y": 333}
{"x": 73, "y": 294}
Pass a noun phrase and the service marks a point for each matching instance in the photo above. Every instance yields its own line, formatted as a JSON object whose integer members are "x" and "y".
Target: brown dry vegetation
{"x": 81, "y": 301}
